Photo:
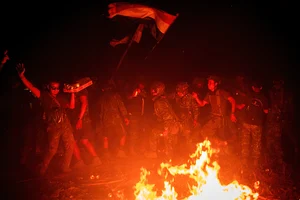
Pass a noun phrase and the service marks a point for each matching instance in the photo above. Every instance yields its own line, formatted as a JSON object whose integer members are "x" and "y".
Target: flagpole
{"x": 121, "y": 60}
{"x": 160, "y": 39}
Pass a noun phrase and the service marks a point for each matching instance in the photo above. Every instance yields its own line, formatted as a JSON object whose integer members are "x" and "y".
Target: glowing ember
{"x": 205, "y": 175}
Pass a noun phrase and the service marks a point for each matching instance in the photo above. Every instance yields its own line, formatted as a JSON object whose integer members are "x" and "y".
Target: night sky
{"x": 72, "y": 39}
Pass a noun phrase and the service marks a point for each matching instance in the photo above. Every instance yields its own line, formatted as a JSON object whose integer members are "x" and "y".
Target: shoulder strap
{"x": 54, "y": 99}
{"x": 218, "y": 98}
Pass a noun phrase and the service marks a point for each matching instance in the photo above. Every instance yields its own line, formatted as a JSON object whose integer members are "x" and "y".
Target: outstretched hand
{"x": 5, "y": 57}
{"x": 21, "y": 69}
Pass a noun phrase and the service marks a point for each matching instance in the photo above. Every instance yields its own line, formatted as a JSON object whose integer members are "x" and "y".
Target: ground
{"x": 116, "y": 178}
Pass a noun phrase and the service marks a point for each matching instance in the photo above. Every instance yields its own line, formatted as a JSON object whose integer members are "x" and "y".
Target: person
{"x": 83, "y": 132}
{"x": 217, "y": 98}
{"x": 167, "y": 126}
{"x": 187, "y": 109}
{"x": 255, "y": 107}
{"x": 135, "y": 104}
{"x": 113, "y": 117}
{"x": 58, "y": 126}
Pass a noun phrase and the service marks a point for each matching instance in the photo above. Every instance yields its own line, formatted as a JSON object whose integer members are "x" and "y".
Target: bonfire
{"x": 204, "y": 184}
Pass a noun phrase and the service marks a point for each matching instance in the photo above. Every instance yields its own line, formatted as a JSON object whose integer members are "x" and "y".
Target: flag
{"x": 162, "y": 19}
{"x": 136, "y": 37}
{"x": 138, "y": 33}
{"x": 115, "y": 42}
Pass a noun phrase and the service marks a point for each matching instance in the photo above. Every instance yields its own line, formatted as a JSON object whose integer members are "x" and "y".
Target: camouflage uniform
{"x": 251, "y": 136}
{"x": 112, "y": 113}
{"x": 55, "y": 132}
{"x": 214, "y": 128}
{"x": 58, "y": 127}
{"x": 167, "y": 123}
{"x": 187, "y": 110}
{"x": 274, "y": 127}
{"x": 201, "y": 93}
{"x": 239, "y": 93}
{"x": 251, "y": 139}
{"x": 135, "y": 106}
{"x": 288, "y": 125}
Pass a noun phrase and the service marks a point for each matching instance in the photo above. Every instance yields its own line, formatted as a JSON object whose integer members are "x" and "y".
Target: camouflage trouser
{"x": 114, "y": 132}
{"x": 186, "y": 130}
{"x": 34, "y": 139}
{"x": 170, "y": 140}
{"x": 251, "y": 138}
{"x": 231, "y": 130}
{"x": 273, "y": 142}
{"x": 55, "y": 132}
{"x": 211, "y": 129}
{"x": 134, "y": 130}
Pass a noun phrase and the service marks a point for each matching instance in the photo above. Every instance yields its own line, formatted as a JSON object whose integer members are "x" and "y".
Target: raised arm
{"x": 72, "y": 101}
{"x": 4, "y": 60}
{"x": 27, "y": 83}
{"x": 200, "y": 102}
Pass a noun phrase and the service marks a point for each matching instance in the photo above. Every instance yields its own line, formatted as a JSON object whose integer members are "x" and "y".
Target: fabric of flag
{"x": 136, "y": 37}
{"x": 138, "y": 33}
{"x": 163, "y": 20}
{"x": 116, "y": 42}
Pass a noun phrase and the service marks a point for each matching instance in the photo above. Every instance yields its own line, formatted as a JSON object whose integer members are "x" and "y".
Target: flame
{"x": 204, "y": 174}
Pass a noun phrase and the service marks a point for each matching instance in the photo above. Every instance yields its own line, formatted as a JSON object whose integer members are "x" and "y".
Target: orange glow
{"x": 204, "y": 174}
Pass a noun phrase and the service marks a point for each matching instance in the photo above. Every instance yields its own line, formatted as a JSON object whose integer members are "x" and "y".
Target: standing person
{"x": 167, "y": 126}
{"x": 187, "y": 110}
{"x": 113, "y": 117}
{"x": 255, "y": 107}
{"x": 83, "y": 129}
{"x": 218, "y": 100}
{"x": 57, "y": 122}
{"x": 135, "y": 104}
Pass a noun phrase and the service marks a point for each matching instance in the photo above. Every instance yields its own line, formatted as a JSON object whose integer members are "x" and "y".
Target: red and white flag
{"x": 163, "y": 20}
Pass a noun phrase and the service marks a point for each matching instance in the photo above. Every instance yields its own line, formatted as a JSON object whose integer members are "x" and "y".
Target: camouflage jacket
{"x": 164, "y": 111}
{"x": 186, "y": 107}
{"x": 112, "y": 109}
{"x": 281, "y": 105}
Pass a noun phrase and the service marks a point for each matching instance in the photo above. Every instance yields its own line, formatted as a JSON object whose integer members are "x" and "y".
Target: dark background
{"x": 58, "y": 39}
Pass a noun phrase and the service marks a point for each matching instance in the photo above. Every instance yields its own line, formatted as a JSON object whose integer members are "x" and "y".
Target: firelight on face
{"x": 54, "y": 88}
{"x": 212, "y": 85}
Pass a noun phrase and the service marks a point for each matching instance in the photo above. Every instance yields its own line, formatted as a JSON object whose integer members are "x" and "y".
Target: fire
{"x": 203, "y": 172}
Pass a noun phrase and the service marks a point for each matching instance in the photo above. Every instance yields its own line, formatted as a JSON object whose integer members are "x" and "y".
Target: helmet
{"x": 107, "y": 87}
{"x": 157, "y": 88}
{"x": 257, "y": 83}
{"x": 278, "y": 80}
{"x": 182, "y": 87}
{"x": 198, "y": 80}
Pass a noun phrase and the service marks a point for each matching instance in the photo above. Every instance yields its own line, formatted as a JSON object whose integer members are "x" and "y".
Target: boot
{"x": 96, "y": 161}
{"x": 79, "y": 165}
